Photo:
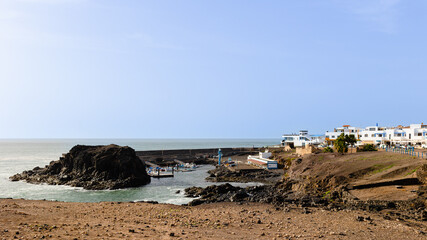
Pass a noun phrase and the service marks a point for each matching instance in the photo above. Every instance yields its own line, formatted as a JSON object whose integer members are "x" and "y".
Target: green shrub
{"x": 341, "y": 144}
{"x": 328, "y": 150}
{"x": 368, "y": 148}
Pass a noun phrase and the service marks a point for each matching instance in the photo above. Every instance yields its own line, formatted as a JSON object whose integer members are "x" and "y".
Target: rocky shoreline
{"x": 223, "y": 174}
{"x": 313, "y": 196}
{"x": 91, "y": 167}
{"x": 283, "y": 198}
{"x": 326, "y": 181}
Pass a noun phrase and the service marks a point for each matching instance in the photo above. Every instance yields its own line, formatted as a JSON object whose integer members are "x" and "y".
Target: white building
{"x": 415, "y": 134}
{"x": 263, "y": 160}
{"x": 346, "y": 129}
{"x": 301, "y": 139}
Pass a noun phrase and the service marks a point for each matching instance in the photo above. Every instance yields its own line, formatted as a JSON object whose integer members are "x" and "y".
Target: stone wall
{"x": 301, "y": 151}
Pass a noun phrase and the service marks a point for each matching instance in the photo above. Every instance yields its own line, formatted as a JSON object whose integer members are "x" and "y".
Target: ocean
{"x": 25, "y": 154}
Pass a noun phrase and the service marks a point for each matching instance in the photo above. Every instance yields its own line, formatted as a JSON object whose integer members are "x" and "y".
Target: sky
{"x": 209, "y": 69}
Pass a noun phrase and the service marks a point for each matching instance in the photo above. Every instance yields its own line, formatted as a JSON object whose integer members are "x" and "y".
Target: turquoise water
{"x": 19, "y": 155}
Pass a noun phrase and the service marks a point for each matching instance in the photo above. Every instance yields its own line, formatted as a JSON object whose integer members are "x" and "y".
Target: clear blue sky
{"x": 209, "y": 69}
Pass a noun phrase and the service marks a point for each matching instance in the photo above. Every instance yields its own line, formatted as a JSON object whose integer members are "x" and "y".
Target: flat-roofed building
{"x": 414, "y": 134}
{"x": 301, "y": 139}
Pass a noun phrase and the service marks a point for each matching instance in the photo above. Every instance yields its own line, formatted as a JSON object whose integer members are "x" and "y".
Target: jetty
{"x": 179, "y": 162}
{"x": 148, "y": 163}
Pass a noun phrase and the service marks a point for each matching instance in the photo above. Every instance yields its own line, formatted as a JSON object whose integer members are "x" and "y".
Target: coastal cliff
{"x": 93, "y": 168}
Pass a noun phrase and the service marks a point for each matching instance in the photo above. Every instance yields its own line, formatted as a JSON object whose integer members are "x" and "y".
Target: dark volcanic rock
{"x": 274, "y": 194}
{"x": 223, "y": 174}
{"x": 92, "y": 167}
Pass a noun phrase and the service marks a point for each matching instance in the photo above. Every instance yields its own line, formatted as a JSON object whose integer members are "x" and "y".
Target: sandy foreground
{"x": 27, "y": 219}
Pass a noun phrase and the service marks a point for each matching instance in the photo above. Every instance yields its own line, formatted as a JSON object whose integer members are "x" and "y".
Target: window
{"x": 366, "y": 135}
{"x": 419, "y": 134}
{"x": 371, "y": 129}
{"x": 373, "y": 135}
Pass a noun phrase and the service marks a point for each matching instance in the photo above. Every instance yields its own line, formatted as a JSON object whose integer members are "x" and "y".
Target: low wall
{"x": 352, "y": 150}
{"x": 288, "y": 148}
{"x": 310, "y": 149}
{"x": 304, "y": 150}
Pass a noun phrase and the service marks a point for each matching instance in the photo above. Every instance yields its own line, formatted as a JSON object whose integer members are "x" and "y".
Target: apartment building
{"x": 414, "y": 134}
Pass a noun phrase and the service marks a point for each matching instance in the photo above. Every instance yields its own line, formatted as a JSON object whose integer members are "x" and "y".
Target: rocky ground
{"x": 386, "y": 183}
{"x": 91, "y": 167}
{"x": 26, "y": 219}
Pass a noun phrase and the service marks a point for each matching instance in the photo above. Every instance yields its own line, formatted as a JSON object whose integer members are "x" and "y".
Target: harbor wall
{"x": 198, "y": 156}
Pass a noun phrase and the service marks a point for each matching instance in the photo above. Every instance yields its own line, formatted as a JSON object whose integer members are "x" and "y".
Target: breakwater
{"x": 198, "y": 156}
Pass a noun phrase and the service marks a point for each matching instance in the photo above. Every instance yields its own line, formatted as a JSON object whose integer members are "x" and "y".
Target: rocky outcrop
{"x": 278, "y": 195}
{"x": 91, "y": 167}
{"x": 223, "y": 174}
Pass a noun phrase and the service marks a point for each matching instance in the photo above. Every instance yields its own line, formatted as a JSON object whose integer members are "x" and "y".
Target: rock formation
{"x": 93, "y": 168}
{"x": 223, "y": 174}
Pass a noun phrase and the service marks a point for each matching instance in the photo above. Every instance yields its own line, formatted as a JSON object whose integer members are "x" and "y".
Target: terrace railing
{"x": 408, "y": 151}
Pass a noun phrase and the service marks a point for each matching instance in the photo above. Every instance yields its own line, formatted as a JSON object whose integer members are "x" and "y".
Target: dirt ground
{"x": 26, "y": 219}
{"x": 386, "y": 193}
{"x": 361, "y": 169}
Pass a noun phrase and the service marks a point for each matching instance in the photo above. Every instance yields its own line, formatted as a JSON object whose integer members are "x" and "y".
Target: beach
{"x": 37, "y": 219}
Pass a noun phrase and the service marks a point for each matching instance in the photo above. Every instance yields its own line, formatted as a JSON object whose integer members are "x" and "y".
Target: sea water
{"x": 19, "y": 155}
